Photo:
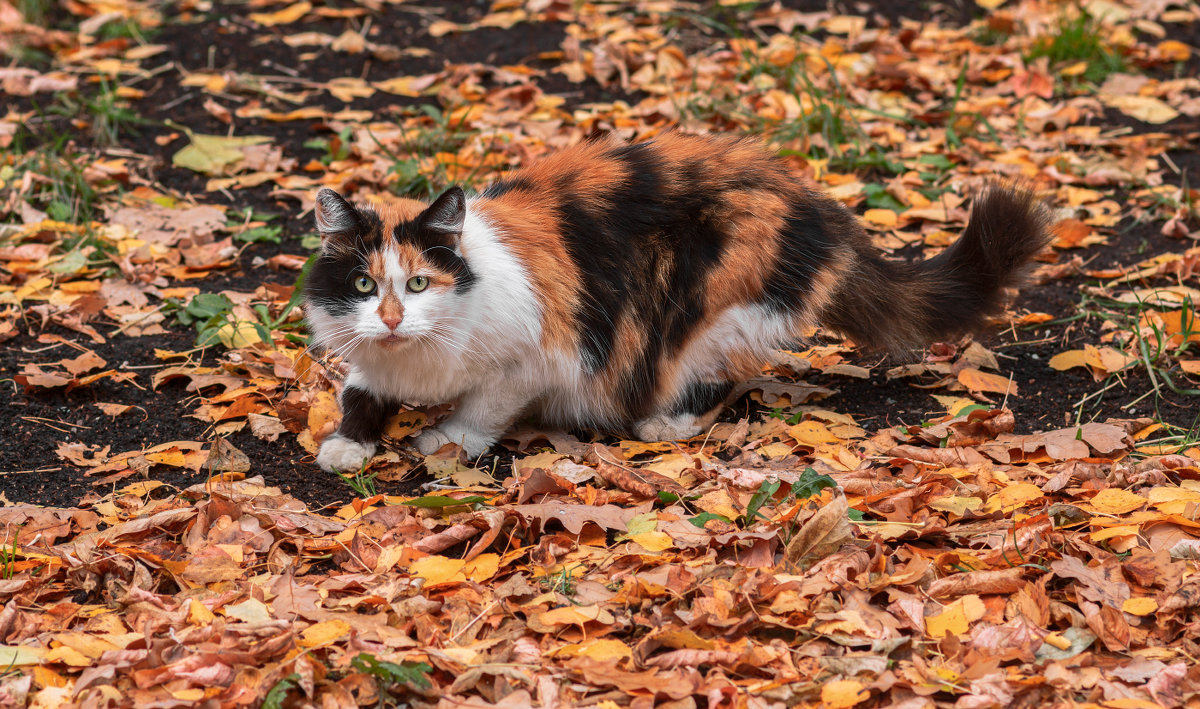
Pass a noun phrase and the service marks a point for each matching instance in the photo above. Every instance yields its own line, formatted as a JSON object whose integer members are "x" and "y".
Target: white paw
{"x": 430, "y": 441}
{"x": 342, "y": 454}
{"x": 473, "y": 443}
{"x": 666, "y": 427}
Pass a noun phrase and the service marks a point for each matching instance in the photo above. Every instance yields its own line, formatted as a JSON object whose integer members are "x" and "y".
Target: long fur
{"x": 625, "y": 287}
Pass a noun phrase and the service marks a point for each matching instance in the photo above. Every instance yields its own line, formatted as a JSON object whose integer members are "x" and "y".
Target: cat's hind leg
{"x": 690, "y": 413}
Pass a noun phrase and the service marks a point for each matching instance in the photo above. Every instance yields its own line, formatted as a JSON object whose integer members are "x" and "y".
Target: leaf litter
{"x": 791, "y": 555}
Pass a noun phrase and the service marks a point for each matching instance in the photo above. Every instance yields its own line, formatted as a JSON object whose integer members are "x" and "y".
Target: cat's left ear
{"x": 447, "y": 213}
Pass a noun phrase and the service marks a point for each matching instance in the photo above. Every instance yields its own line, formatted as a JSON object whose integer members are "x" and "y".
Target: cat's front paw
{"x": 473, "y": 443}
{"x": 339, "y": 453}
{"x": 667, "y": 427}
{"x": 430, "y": 441}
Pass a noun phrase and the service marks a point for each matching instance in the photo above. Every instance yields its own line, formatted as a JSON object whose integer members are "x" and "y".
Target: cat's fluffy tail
{"x": 895, "y": 306}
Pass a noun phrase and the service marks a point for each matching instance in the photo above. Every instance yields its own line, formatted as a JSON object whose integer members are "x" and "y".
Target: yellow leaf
{"x": 1076, "y": 69}
{"x": 482, "y": 567}
{"x": 1120, "y": 530}
{"x": 576, "y": 615}
{"x": 443, "y": 27}
{"x": 1139, "y": 606}
{"x": 388, "y": 558}
{"x": 1069, "y": 359}
{"x": 438, "y": 569}
{"x": 601, "y": 649}
{"x": 286, "y": 16}
{"x": 953, "y": 404}
{"x": 251, "y": 610}
{"x": 956, "y": 505}
{"x": 323, "y": 633}
{"x": 718, "y": 502}
{"x": 989, "y": 4}
{"x": 1115, "y": 501}
{"x": 1191, "y": 366}
{"x": 404, "y": 423}
{"x": 46, "y": 677}
{"x": 881, "y": 217}
{"x": 215, "y": 154}
{"x": 1174, "y": 500}
{"x": 173, "y": 457}
{"x": 653, "y": 541}
{"x": 410, "y": 86}
{"x": 845, "y": 24}
{"x": 1144, "y": 108}
{"x": 67, "y": 656}
{"x": 956, "y": 617}
{"x": 1012, "y": 497}
{"x": 975, "y": 380}
{"x": 1174, "y": 51}
{"x": 1131, "y": 703}
{"x": 199, "y": 614}
{"x": 16, "y": 655}
{"x": 323, "y": 414}
{"x": 812, "y": 433}
{"x": 844, "y": 693}
{"x": 348, "y": 88}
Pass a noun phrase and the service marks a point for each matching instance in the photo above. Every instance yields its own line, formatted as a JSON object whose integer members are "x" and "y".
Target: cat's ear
{"x": 335, "y": 216}
{"x": 447, "y": 213}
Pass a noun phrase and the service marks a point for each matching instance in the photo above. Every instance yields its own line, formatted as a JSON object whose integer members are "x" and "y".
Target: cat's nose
{"x": 392, "y": 322}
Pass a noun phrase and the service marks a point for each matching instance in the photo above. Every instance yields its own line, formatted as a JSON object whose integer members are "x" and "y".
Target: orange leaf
{"x": 976, "y": 380}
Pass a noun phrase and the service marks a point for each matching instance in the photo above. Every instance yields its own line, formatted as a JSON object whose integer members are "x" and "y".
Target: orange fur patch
{"x": 530, "y": 230}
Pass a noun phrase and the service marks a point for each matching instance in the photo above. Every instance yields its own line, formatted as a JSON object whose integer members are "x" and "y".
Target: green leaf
{"x": 437, "y": 502}
{"x": 704, "y": 517}
{"x": 278, "y": 694}
{"x": 73, "y": 262}
{"x": 765, "y": 492}
{"x": 879, "y": 198}
{"x": 973, "y": 407}
{"x": 207, "y": 305}
{"x": 642, "y": 523}
{"x": 260, "y": 233}
{"x": 60, "y": 211}
{"x": 938, "y": 161}
{"x": 667, "y": 497}
{"x": 811, "y": 483}
{"x": 214, "y": 154}
{"x": 414, "y": 673}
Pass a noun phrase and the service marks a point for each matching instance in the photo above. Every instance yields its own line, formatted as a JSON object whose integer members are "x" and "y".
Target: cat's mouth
{"x": 392, "y": 339}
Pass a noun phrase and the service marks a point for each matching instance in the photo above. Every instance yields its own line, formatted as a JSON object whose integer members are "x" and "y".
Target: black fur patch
{"x": 503, "y": 187}
{"x": 330, "y": 284}
{"x": 805, "y": 245}
{"x": 440, "y": 249}
{"x": 642, "y": 254}
{"x": 701, "y": 397}
{"x": 363, "y": 415}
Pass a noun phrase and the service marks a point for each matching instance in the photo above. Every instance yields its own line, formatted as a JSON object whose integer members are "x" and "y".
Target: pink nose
{"x": 392, "y": 323}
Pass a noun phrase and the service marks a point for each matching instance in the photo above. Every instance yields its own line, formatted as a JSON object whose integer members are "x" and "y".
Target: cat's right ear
{"x": 335, "y": 216}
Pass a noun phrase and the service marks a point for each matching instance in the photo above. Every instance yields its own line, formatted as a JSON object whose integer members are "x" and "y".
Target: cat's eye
{"x": 364, "y": 284}
{"x": 416, "y": 284}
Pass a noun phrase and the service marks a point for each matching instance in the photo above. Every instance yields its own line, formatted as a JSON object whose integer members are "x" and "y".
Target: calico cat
{"x": 623, "y": 287}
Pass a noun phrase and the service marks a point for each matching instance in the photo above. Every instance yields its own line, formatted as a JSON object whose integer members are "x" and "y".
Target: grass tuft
{"x": 1079, "y": 38}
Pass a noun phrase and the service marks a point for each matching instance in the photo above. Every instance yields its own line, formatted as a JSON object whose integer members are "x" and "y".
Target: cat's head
{"x": 388, "y": 276}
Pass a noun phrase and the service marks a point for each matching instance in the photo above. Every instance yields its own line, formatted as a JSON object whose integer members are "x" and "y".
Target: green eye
{"x": 416, "y": 284}
{"x": 364, "y": 284}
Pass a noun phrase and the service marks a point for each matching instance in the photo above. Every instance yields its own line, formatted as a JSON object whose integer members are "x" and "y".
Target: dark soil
{"x": 30, "y": 471}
